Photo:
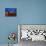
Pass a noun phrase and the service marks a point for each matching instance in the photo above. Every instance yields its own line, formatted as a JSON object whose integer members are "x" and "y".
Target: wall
{"x": 7, "y": 24}
{"x": 28, "y": 12}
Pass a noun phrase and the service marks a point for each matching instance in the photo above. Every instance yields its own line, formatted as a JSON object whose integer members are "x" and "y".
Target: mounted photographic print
{"x": 10, "y": 11}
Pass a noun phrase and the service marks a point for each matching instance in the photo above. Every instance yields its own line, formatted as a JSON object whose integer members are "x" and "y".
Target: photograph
{"x": 10, "y": 11}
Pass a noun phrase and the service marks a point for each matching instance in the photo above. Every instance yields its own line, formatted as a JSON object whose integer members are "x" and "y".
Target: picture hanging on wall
{"x": 10, "y": 12}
